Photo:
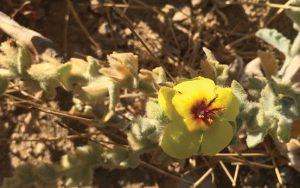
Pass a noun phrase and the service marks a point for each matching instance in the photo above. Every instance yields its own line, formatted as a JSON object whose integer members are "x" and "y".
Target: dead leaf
{"x": 292, "y": 151}
{"x": 293, "y": 148}
{"x": 295, "y": 129}
{"x": 182, "y": 14}
{"x": 253, "y": 68}
{"x": 268, "y": 63}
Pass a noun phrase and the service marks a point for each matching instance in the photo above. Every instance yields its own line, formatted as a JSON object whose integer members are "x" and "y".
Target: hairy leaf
{"x": 144, "y": 133}
{"x": 30, "y": 175}
{"x": 24, "y": 60}
{"x": 294, "y": 16}
{"x": 255, "y": 137}
{"x": 78, "y": 167}
{"x": 240, "y": 93}
{"x": 213, "y": 69}
{"x": 295, "y": 48}
{"x": 276, "y": 39}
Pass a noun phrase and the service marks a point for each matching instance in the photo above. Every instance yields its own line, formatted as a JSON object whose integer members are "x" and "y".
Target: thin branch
{"x": 254, "y": 164}
{"x": 27, "y": 37}
{"x": 83, "y": 28}
{"x": 202, "y": 178}
{"x": 226, "y": 171}
{"x": 279, "y": 11}
{"x": 165, "y": 173}
{"x": 131, "y": 27}
{"x": 242, "y": 154}
{"x": 236, "y": 172}
{"x": 31, "y": 105}
{"x": 276, "y": 170}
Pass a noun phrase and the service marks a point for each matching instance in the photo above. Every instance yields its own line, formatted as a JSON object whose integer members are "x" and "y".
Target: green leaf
{"x": 45, "y": 72}
{"x": 120, "y": 158}
{"x": 149, "y": 80}
{"x": 283, "y": 129}
{"x": 267, "y": 106}
{"x": 294, "y": 16}
{"x": 7, "y": 74}
{"x": 23, "y": 177}
{"x": 296, "y": 2}
{"x": 78, "y": 167}
{"x": 114, "y": 92}
{"x": 29, "y": 175}
{"x": 92, "y": 68}
{"x": 9, "y": 55}
{"x": 240, "y": 93}
{"x": 24, "y": 60}
{"x": 255, "y": 137}
{"x": 159, "y": 75}
{"x": 153, "y": 110}
{"x": 276, "y": 39}
{"x": 96, "y": 90}
{"x": 63, "y": 73}
{"x": 255, "y": 85}
{"x": 46, "y": 174}
{"x": 222, "y": 72}
{"x": 295, "y": 46}
{"x": 208, "y": 68}
{"x": 211, "y": 68}
{"x": 144, "y": 133}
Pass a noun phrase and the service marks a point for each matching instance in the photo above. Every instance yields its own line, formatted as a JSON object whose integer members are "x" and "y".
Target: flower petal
{"x": 190, "y": 91}
{"x": 165, "y": 97}
{"x": 230, "y": 103}
{"x": 196, "y": 87}
{"x": 178, "y": 142}
{"x": 217, "y": 137}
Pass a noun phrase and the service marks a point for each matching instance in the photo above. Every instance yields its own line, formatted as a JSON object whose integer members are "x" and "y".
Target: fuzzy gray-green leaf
{"x": 78, "y": 167}
{"x": 144, "y": 133}
{"x": 295, "y": 48}
{"x": 283, "y": 129}
{"x": 92, "y": 68}
{"x": 276, "y": 39}
{"x": 211, "y": 68}
{"x": 153, "y": 110}
{"x": 114, "y": 92}
{"x": 120, "y": 158}
{"x": 24, "y": 60}
{"x": 254, "y": 138}
{"x": 294, "y": 16}
{"x": 240, "y": 93}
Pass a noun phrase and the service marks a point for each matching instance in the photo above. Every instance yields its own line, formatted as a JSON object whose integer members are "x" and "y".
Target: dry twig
{"x": 32, "y": 39}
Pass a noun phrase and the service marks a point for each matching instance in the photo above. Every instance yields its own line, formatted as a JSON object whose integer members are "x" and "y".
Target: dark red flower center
{"x": 204, "y": 112}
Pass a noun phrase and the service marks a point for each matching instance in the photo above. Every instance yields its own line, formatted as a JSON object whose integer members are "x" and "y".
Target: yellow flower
{"x": 202, "y": 117}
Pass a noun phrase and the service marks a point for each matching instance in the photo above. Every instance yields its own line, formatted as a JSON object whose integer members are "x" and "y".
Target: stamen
{"x": 204, "y": 112}
{"x": 212, "y": 101}
{"x": 210, "y": 120}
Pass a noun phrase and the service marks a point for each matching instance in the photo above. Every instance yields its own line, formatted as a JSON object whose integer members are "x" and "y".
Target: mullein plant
{"x": 89, "y": 80}
{"x": 198, "y": 116}
{"x": 274, "y": 92}
{"x": 92, "y": 83}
